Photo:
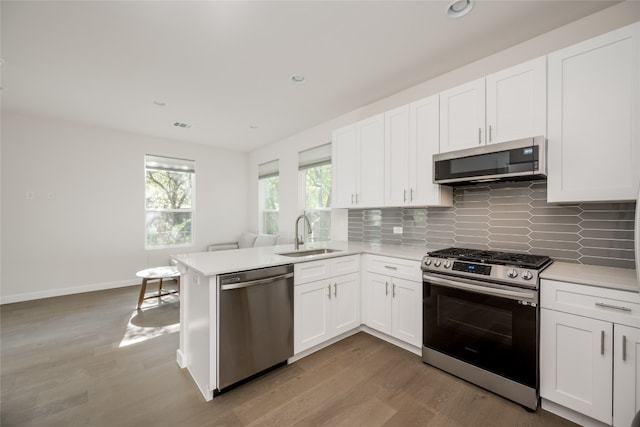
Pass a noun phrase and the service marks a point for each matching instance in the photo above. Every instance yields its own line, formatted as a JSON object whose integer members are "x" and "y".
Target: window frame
{"x": 302, "y": 179}
{"x": 191, "y": 210}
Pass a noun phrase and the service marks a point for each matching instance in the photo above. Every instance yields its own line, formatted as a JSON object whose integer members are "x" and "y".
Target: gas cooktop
{"x": 515, "y": 259}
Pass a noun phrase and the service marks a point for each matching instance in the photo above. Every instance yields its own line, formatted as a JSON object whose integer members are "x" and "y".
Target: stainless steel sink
{"x": 309, "y": 252}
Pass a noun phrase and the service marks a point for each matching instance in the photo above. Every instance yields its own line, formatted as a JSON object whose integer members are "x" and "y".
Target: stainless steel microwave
{"x": 523, "y": 159}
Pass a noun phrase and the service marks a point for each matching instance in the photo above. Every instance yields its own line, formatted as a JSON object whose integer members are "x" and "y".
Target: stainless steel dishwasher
{"x": 255, "y": 323}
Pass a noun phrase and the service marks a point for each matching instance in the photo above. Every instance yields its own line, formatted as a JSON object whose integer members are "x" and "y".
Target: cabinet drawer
{"x": 324, "y": 268}
{"x": 591, "y": 301}
{"x": 395, "y": 267}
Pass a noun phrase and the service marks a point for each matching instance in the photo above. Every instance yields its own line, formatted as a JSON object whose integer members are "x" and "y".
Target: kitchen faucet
{"x": 298, "y": 240}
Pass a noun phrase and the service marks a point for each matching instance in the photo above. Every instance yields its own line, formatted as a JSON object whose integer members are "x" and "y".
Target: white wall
{"x": 286, "y": 150}
{"x": 90, "y": 235}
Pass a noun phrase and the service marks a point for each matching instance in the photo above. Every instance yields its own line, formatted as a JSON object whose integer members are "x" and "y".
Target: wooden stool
{"x": 157, "y": 273}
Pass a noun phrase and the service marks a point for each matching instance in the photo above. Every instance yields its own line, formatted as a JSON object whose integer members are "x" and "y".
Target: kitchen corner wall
{"x": 510, "y": 217}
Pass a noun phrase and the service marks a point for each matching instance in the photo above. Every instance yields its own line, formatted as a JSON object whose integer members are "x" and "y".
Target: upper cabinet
{"x": 504, "y": 106}
{"x": 517, "y": 102}
{"x": 358, "y": 164}
{"x": 462, "y": 116}
{"x": 411, "y": 139}
{"x": 594, "y": 115}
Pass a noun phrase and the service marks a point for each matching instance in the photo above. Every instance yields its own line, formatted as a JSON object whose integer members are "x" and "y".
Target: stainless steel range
{"x": 481, "y": 319}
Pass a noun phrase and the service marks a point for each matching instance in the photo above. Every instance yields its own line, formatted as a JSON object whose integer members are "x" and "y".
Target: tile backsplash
{"x": 510, "y": 217}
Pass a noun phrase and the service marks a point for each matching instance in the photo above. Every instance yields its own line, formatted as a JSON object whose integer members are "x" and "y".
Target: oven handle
{"x": 515, "y": 295}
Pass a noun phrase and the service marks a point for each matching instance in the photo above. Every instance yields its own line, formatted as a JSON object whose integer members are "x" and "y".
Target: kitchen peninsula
{"x": 199, "y": 306}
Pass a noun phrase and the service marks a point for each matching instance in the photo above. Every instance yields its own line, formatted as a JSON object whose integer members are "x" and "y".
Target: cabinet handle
{"x": 601, "y": 342}
{"x": 329, "y": 288}
{"x": 386, "y": 288}
{"x": 405, "y": 195}
{"x": 480, "y": 136}
{"x": 335, "y": 290}
{"x": 356, "y": 198}
{"x": 390, "y": 267}
{"x": 615, "y": 307}
{"x": 624, "y": 348}
{"x": 490, "y": 134}
{"x": 411, "y": 198}
{"x": 351, "y": 198}
{"x": 394, "y": 291}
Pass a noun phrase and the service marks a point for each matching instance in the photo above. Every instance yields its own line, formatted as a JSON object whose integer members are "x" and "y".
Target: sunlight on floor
{"x": 152, "y": 321}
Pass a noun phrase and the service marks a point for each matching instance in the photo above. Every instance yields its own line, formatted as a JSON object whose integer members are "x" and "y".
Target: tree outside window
{"x": 269, "y": 197}
{"x": 168, "y": 201}
{"x": 315, "y": 173}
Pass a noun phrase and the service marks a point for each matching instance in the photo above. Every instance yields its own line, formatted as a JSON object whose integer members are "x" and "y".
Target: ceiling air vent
{"x": 182, "y": 125}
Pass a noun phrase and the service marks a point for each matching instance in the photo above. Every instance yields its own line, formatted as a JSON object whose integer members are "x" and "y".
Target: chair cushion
{"x": 247, "y": 240}
{"x": 265, "y": 240}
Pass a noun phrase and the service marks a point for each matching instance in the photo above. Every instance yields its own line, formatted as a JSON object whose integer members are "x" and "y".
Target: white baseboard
{"x": 8, "y": 299}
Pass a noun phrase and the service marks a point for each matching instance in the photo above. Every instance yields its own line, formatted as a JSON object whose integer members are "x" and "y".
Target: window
{"x": 269, "y": 193}
{"x": 169, "y": 204}
{"x": 315, "y": 175}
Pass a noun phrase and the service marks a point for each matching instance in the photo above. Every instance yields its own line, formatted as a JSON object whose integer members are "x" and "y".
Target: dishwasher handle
{"x": 249, "y": 283}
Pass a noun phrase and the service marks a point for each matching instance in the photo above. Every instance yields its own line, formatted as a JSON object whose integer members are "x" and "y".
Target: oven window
{"x": 478, "y": 322}
{"x": 494, "y": 333}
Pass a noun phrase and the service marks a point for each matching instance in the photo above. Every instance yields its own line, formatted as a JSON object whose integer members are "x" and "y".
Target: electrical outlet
{"x": 397, "y": 230}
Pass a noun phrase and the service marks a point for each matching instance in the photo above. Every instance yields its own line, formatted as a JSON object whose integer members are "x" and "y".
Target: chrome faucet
{"x": 298, "y": 240}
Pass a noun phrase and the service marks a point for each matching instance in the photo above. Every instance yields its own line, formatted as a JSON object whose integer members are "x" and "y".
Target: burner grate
{"x": 493, "y": 257}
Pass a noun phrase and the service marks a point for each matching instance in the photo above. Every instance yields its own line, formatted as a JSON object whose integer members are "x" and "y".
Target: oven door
{"x": 490, "y": 326}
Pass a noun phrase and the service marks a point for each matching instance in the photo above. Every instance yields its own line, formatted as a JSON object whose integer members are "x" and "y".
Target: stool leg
{"x": 143, "y": 289}
{"x": 160, "y": 289}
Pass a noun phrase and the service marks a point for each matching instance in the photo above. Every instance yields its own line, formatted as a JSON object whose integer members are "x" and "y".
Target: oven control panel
{"x": 503, "y": 273}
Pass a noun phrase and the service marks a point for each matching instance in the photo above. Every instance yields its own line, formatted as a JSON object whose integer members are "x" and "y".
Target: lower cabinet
{"x": 589, "y": 351}
{"x": 326, "y": 307}
{"x": 394, "y": 298}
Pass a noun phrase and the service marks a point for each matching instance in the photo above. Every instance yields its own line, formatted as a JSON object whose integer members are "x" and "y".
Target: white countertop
{"x": 605, "y": 277}
{"x": 221, "y": 262}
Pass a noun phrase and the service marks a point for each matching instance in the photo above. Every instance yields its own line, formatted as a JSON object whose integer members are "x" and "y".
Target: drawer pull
{"x": 390, "y": 267}
{"x": 601, "y": 342}
{"x": 615, "y": 307}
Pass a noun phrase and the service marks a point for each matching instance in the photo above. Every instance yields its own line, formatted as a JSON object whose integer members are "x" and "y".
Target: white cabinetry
{"x": 594, "y": 106}
{"x": 358, "y": 164}
{"x": 504, "y": 106}
{"x": 462, "y": 116}
{"x": 326, "y": 300}
{"x": 584, "y": 369}
{"x": 394, "y": 298}
{"x": 411, "y": 139}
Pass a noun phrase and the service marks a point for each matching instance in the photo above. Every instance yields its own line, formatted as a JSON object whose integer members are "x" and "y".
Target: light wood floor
{"x": 84, "y": 360}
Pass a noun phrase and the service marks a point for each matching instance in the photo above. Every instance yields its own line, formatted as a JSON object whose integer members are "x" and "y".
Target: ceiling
{"x": 224, "y": 67}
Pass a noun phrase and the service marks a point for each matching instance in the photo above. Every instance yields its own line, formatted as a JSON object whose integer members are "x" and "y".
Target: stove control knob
{"x": 527, "y": 275}
{"x": 512, "y": 273}
{"x": 427, "y": 261}
{"x": 437, "y": 263}
{"x": 447, "y": 264}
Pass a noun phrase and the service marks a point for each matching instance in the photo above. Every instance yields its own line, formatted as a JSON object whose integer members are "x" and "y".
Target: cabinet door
{"x": 462, "y": 116}
{"x": 626, "y": 371}
{"x": 311, "y": 315}
{"x": 370, "y": 180}
{"x": 406, "y": 310}
{"x": 346, "y": 303}
{"x": 344, "y": 162}
{"x": 424, "y": 143}
{"x": 517, "y": 102}
{"x": 379, "y": 302}
{"x": 576, "y": 363}
{"x": 396, "y": 160}
{"x": 594, "y": 135}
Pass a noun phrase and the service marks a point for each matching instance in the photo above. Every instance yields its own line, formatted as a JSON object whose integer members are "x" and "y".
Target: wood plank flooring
{"x": 92, "y": 360}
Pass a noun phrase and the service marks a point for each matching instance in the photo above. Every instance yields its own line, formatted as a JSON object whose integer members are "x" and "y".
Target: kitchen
{"x": 287, "y": 150}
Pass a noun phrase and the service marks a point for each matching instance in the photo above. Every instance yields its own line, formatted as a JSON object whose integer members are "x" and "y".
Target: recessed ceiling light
{"x": 459, "y": 8}
{"x": 160, "y": 103}
{"x": 297, "y": 78}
